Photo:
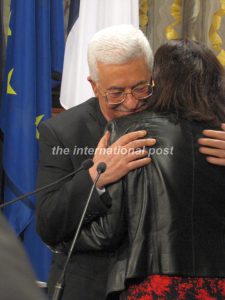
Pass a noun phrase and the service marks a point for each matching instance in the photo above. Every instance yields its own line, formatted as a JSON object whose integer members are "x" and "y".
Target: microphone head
{"x": 86, "y": 164}
{"x": 101, "y": 167}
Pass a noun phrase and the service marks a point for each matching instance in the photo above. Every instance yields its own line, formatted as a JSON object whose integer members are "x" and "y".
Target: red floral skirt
{"x": 161, "y": 287}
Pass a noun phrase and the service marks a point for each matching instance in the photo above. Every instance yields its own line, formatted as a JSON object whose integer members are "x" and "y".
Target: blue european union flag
{"x": 35, "y": 47}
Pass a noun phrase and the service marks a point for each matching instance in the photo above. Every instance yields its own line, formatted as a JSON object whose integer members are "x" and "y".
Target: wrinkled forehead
{"x": 123, "y": 75}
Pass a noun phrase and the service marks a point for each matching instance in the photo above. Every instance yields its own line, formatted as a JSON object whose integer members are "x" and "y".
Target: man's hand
{"x": 121, "y": 157}
{"x": 214, "y": 146}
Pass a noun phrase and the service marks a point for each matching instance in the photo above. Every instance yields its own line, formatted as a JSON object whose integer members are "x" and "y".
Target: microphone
{"x": 60, "y": 283}
{"x": 85, "y": 165}
{"x": 101, "y": 167}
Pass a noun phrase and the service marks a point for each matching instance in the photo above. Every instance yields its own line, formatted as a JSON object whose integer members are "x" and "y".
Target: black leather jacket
{"x": 167, "y": 217}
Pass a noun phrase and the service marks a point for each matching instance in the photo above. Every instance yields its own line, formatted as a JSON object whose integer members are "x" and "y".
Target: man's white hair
{"x": 117, "y": 45}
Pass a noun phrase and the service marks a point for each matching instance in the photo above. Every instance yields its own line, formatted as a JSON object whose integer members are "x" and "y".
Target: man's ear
{"x": 93, "y": 85}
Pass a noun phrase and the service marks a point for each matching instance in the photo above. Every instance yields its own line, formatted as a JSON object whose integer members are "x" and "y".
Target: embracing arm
{"x": 60, "y": 208}
{"x": 109, "y": 230}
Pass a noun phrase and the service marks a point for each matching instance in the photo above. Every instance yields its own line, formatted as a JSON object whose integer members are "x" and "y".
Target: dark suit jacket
{"x": 17, "y": 281}
{"x": 65, "y": 141}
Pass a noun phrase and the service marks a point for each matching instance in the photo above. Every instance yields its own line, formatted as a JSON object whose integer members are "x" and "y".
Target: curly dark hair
{"x": 189, "y": 81}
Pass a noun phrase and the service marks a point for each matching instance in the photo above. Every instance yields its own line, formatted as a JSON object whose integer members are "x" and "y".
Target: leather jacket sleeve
{"x": 108, "y": 231}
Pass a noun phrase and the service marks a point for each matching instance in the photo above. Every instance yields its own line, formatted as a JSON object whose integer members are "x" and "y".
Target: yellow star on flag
{"x": 37, "y": 122}
{"x": 10, "y": 90}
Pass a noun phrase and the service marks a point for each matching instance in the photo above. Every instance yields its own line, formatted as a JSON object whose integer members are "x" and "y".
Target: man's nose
{"x": 130, "y": 101}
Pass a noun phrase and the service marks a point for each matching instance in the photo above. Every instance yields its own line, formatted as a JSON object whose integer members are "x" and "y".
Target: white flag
{"x": 93, "y": 16}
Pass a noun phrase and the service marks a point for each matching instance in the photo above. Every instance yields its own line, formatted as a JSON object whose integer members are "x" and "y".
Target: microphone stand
{"x": 60, "y": 283}
{"x": 84, "y": 166}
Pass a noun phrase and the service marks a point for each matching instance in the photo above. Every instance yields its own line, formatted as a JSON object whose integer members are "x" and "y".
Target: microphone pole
{"x": 60, "y": 283}
{"x": 84, "y": 166}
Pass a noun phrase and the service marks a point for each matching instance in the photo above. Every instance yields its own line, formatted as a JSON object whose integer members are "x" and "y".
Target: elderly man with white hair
{"x": 120, "y": 62}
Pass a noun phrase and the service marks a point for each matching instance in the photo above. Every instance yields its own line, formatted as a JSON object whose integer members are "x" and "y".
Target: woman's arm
{"x": 108, "y": 231}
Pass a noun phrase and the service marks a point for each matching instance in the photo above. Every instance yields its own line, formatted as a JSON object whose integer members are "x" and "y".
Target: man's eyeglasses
{"x": 117, "y": 96}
